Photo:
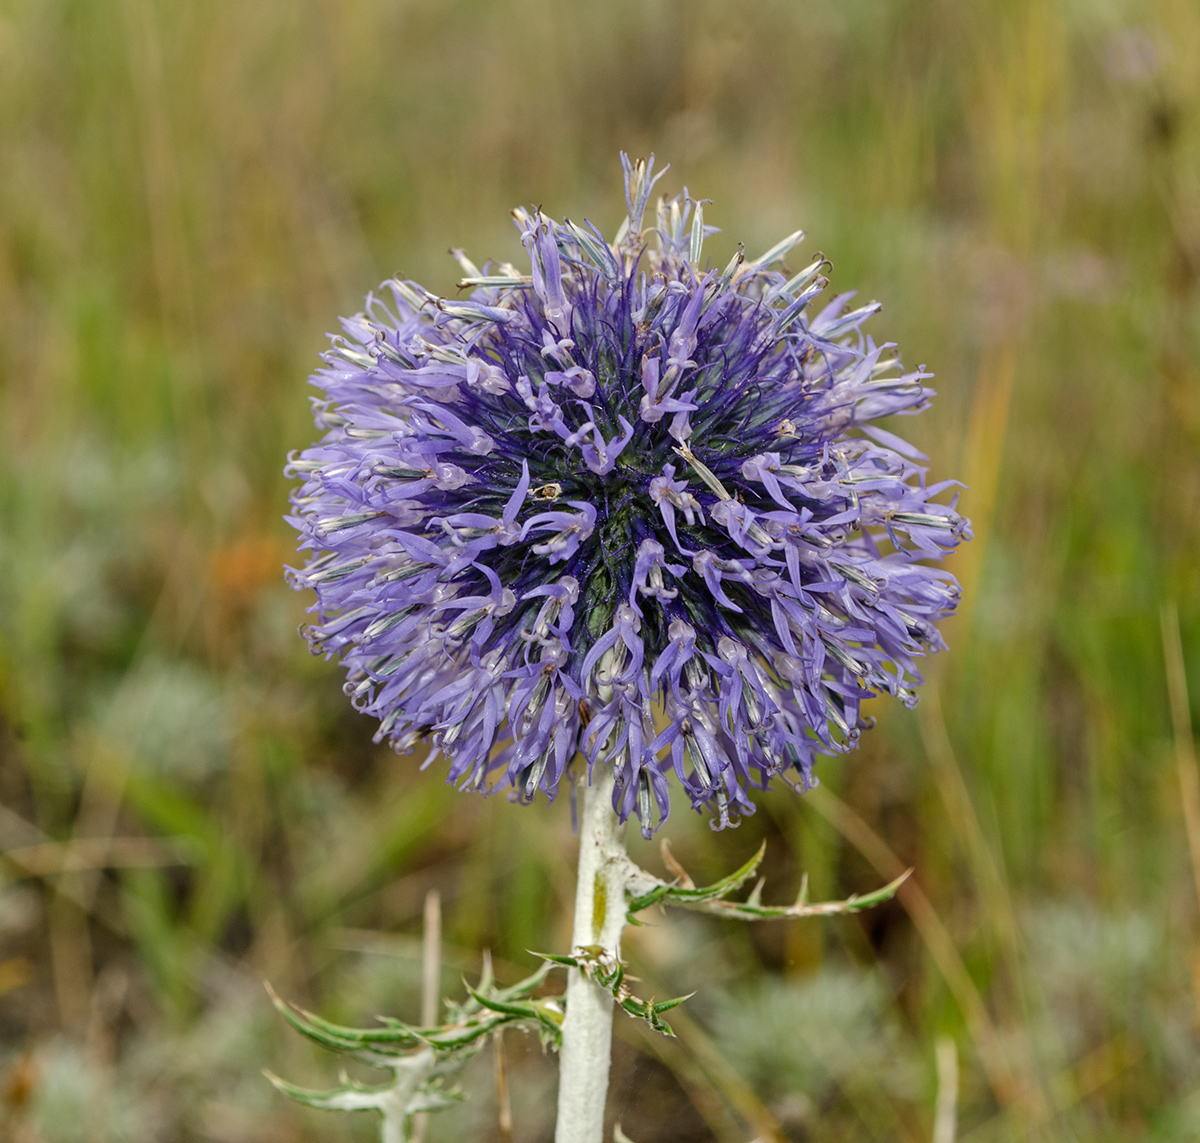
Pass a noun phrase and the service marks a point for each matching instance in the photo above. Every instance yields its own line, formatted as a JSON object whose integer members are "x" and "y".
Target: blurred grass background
{"x": 190, "y": 193}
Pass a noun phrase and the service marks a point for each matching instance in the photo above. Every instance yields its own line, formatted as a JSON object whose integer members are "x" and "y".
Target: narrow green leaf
{"x": 339, "y": 1099}
{"x": 673, "y": 894}
{"x": 564, "y": 961}
{"x": 667, "y": 1005}
{"x": 522, "y": 1010}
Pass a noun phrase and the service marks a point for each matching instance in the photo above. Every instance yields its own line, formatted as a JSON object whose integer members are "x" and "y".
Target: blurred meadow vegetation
{"x": 191, "y": 192}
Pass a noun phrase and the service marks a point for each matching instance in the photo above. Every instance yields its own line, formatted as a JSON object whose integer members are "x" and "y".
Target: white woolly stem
{"x": 599, "y": 920}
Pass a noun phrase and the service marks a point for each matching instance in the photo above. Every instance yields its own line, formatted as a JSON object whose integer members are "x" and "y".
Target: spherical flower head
{"x": 627, "y": 506}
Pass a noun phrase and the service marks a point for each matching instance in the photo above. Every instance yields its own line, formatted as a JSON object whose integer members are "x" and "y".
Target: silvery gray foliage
{"x": 825, "y": 1050}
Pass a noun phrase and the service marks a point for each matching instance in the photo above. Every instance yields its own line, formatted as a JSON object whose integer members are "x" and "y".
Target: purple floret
{"x": 625, "y": 506}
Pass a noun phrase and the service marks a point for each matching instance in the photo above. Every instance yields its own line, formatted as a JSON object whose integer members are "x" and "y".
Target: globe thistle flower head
{"x": 625, "y": 505}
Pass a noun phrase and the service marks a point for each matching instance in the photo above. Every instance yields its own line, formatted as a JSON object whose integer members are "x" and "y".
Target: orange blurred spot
{"x": 17, "y": 1086}
{"x": 238, "y": 570}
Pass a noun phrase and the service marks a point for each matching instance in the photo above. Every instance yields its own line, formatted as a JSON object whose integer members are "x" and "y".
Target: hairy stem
{"x": 599, "y": 920}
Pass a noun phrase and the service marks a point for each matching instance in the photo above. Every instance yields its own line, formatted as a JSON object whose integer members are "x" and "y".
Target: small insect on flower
{"x": 627, "y": 505}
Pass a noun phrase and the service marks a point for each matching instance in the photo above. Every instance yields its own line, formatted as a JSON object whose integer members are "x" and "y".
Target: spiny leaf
{"x": 455, "y": 1037}
{"x": 709, "y": 898}
{"x": 608, "y": 972}
{"x": 341, "y": 1039}
{"x": 351, "y": 1098}
{"x": 358, "y": 1097}
{"x": 521, "y": 1010}
{"x": 667, "y": 1005}
{"x": 750, "y": 910}
{"x": 677, "y": 894}
{"x": 557, "y": 959}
